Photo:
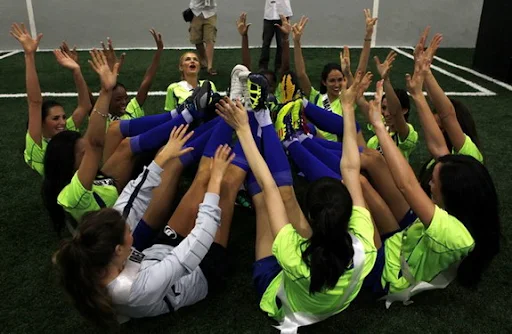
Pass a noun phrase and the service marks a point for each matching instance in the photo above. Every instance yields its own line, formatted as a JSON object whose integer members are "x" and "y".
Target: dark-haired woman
{"x": 47, "y": 118}
{"x": 313, "y": 268}
{"x": 457, "y": 233}
{"x": 332, "y": 73}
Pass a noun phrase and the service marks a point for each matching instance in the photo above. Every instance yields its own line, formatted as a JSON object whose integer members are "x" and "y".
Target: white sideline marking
{"x": 31, "y": 19}
{"x": 454, "y": 76}
{"x": 164, "y": 93}
{"x": 375, "y": 13}
{"x": 9, "y": 54}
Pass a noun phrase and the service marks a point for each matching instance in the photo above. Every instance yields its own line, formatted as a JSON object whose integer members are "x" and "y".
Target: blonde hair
{"x": 182, "y": 57}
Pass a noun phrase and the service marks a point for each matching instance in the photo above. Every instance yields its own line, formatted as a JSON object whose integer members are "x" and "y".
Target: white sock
{"x": 305, "y": 102}
{"x": 288, "y": 142}
{"x": 174, "y": 113}
{"x": 302, "y": 137}
{"x": 263, "y": 117}
{"x": 187, "y": 116}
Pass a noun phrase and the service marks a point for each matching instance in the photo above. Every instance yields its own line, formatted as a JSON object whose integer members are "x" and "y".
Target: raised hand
{"x": 375, "y": 113}
{"x": 221, "y": 161}
{"x": 345, "y": 61}
{"x": 65, "y": 60}
{"x": 420, "y": 46}
{"x": 233, "y": 113}
{"x": 70, "y": 52}
{"x": 29, "y": 44}
{"x": 108, "y": 77}
{"x": 430, "y": 52}
{"x": 178, "y": 138}
{"x": 241, "y": 24}
{"x": 421, "y": 67}
{"x": 110, "y": 54}
{"x": 285, "y": 26}
{"x": 156, "y": 36}
{"x": 348, "y": 95}
{"x": 366, "y": 81}
{"x": 385, "y": 67}
{"x": 369, "y": 21}
{"x": 298, "y": 28}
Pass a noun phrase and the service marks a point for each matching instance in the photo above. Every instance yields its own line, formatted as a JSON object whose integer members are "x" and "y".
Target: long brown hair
{"x": 82, "y": 262}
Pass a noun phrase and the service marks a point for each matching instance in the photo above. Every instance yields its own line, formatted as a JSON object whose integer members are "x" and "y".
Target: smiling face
{"x": 333, "y": 83}
{"x": 119, "y": 101}
{"x": 54, "y": 122}
{"x": 189, "y": 64}
{"x": 386, "y": 113}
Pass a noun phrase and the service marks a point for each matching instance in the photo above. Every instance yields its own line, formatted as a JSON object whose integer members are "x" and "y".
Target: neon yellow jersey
{"x": 406, "y": 147}
{"x": 428, "y": 251}
{"x": 34, "y": 154}
{"x": 295, "y": 274}
{"x": 178, "y": 92}
{"x": 133, "y": 110}
{"x": 469, "y": 148}
{"x": 77, "y": 200}
{"x": 321, "y": 100}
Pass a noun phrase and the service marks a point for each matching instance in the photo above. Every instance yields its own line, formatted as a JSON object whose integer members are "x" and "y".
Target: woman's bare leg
{"x": 112, "y": 140}
{"x": 120, "y": 164}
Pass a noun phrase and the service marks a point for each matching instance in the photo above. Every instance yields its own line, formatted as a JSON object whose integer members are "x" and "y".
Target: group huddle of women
{"x": 366, "y": 221}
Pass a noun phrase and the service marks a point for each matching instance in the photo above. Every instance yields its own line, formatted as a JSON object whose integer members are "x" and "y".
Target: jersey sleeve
{"x": 469, "y": 148}
{"x": 70, "y": 124}
{"x": 134, "y": 109}
{"x": 75, "y": 196}
{"x": 214, "y": 88}
{"x": 360, "y": 224}
{"x": 409, "y": 144}
{"x": 34, "y": 154}
{"x": 287, "y": 250}
{"x": 314, "y": 96}
{"x": 170, "y": 102}
{"x": 447, "y": 233}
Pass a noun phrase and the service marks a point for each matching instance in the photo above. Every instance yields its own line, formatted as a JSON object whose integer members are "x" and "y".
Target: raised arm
{"x": 111, "y": 56}
{"x": 433, "y": 136}
{"x": 34, "y": 97}
{"x": 362, "y": 104}
{"x": 142, "y": 92}
{"x": 350, "y": 164}
{"x": 394, "y": 106}
{"x": 243, "y": 29}
{"x": 84, "y": 102}
{"x": 73, "y": 54}
{"x": 236, "y": 116}
{"x": 401, "y": 171}
{"x": 300, "y": 66}
{"x": 370, "y": 23}
{"x": 286, "y": 29}
{"x": 95, "y": 134}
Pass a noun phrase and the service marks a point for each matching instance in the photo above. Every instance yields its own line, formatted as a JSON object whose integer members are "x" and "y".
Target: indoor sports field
{"x": 32, "y": 302}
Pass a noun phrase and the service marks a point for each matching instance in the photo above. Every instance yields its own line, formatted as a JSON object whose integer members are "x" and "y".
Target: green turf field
{"x": 32, "y": 302}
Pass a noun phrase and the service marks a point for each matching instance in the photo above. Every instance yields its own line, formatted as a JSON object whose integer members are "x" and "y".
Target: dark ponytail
{"x": 59, "y": 167}
{"x": 469, "y": 195}
{"x": 329, "y": 252}
{"x": 82, "y": 262}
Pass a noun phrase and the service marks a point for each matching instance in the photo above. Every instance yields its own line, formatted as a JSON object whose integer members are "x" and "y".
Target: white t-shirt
{"x": 206, "y": 7}
{"x": 274, "y": 8}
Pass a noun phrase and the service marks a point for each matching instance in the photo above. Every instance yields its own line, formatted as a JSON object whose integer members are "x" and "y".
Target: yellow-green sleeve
{"x": 170, "y": 102}
{"x": 469, "y": 148}
{"x": 34, "y": 154}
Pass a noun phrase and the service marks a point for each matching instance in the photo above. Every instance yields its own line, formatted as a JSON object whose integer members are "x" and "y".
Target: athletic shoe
{"x": 200, "y": 99}
{"x": 283, "y": 124}
{"x": 299, "y": 122}
{"x": 236, "y": 89}
{"x": 289, "y": 87}
{"x": 258, "y": 91}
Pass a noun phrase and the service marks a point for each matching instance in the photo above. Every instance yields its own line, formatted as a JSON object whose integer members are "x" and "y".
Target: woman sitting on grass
{"x": 47, "y": 118}
{"x": 458, "y": 231}
{"x": 313, "y": 268}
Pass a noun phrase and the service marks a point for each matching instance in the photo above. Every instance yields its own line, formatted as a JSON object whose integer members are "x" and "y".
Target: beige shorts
{"x": 203, "y": 30}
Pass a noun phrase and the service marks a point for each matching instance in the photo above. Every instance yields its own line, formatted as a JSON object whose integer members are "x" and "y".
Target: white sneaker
{"x": 246, "y": 98}
{"x": 236, "y": 90}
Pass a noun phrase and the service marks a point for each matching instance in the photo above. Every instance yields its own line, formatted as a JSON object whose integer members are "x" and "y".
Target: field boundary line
{"x": 9, "y": 54}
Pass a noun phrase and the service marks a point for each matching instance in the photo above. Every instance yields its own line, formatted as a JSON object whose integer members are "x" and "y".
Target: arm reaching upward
{"x": 370, "y": 23}
{"x": 142, "y": 92}
{"x": 300, "y": 66}
{"x": 243, "y": 29}
{"x": 286, "y": 29}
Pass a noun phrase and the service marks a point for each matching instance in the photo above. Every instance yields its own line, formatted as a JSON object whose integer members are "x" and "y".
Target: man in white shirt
{"x": 203, "y": 31}
{"x": 273, "y": 8}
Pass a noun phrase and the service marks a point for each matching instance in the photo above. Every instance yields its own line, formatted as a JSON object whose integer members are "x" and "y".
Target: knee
{"x": 371, "y": 157}
{"x": 124, "y": 147}
{"x": 114, "y": 128}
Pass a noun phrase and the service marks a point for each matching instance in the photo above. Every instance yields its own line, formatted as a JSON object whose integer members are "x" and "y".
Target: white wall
{"x": 332, "y": 23}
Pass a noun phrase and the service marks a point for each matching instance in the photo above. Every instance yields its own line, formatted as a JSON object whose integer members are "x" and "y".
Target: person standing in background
{"x": 203, "y": 31}
{"x": 271, "y": 22}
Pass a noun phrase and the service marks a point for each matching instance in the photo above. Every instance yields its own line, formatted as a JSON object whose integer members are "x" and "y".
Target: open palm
{"x": 19, "y": 31}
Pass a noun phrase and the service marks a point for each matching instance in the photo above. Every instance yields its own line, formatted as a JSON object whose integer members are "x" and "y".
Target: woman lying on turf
{"x": 106, "y": 278}
{"x": 453, "y": 117}
{"x": 73, "y": 179}
{"x": 332, "y": 74}
{"x": 47, "y": 118}
{"x": 458, "y": 232}
{"x": 177, "y": 92}
{"x": 313, "y": 268}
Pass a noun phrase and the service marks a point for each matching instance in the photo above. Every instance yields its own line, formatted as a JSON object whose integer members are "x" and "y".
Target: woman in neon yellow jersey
{"x": 47, "y": 118}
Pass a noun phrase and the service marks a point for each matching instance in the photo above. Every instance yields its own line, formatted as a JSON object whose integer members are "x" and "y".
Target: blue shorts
{"x": 372, "y": 282}
{"x": 263, "y": 272}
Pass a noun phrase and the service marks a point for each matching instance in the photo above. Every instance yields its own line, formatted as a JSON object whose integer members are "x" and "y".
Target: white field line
{"x": 375, "y": 13}
{"x": 31, "y": 19}
{"x": 142, "y": 48}
{"x": 164, "y": 93}
{"x": 9, "y": 54}
{"x": 451, "y": 75}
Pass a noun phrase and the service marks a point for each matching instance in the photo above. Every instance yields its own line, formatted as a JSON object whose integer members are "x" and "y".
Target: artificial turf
{"x": 32, "y": 301}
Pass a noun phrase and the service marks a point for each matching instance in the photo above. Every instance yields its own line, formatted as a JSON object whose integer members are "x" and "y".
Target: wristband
{"x": 101, "y": 114}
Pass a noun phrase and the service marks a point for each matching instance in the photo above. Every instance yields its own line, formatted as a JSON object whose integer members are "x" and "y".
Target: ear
{"x": 405, "y": 111}
{"x": 119, "y": 250}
